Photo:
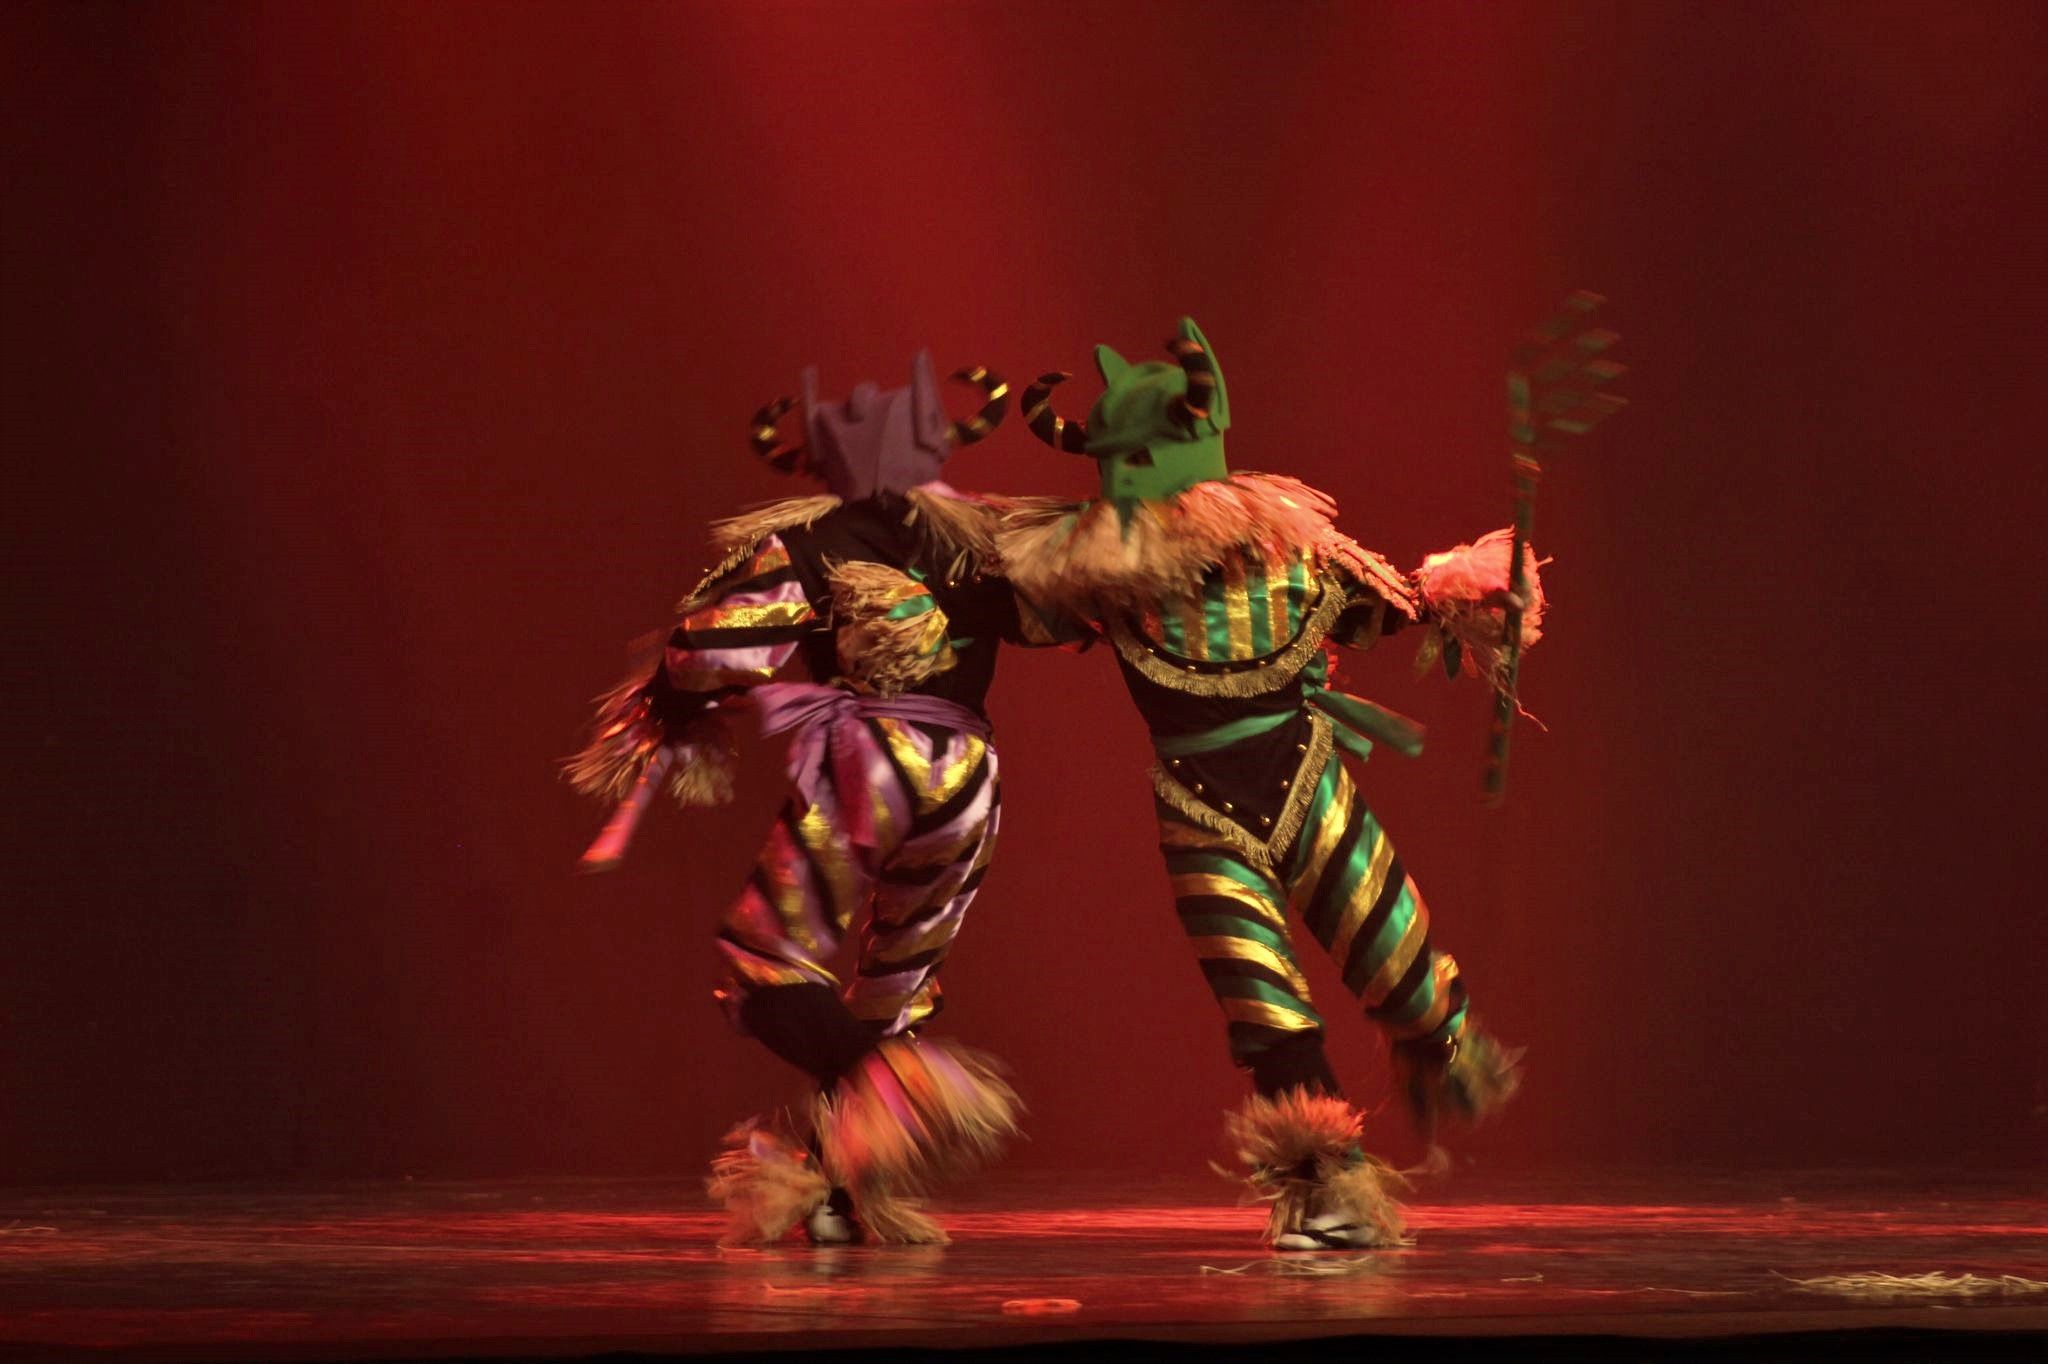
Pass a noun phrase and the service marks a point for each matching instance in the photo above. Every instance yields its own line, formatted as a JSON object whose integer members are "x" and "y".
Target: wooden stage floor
{"x": 1608, "y": 1266}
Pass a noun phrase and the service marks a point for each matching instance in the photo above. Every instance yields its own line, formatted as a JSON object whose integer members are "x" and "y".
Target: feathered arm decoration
{"x": 664, "y": 725}
{"x": 1466, "y": 593}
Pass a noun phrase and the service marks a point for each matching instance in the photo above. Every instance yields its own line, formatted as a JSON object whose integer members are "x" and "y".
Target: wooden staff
{"x": 1552, "y": 383}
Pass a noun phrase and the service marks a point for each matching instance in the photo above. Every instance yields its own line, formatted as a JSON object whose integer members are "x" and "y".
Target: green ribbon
{"x": 1355, "y": 718}
{"x": 1355, "y": 723}
{"x": 1222, "y": 736}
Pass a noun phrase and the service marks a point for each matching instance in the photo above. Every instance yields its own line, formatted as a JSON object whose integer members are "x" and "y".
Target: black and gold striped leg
{"x": 1234, "y": 916}
{"x": 1361, "y": 905}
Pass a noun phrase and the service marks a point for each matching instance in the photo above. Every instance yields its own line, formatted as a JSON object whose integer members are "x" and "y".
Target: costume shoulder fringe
{"x": 736, "y": 537}
{"x": 1087, "y": 558}
{"x": 1302, "y": 1154}
{"x": 625, "y": 736}
{"x": 884, "y": 655}
{"x": 960, "y": 528}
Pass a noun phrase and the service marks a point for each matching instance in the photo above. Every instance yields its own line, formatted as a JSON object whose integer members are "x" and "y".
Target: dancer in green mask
{"x": 1224, "y": 595}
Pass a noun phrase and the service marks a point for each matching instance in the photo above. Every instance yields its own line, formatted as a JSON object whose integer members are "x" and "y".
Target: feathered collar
{"x": 1086, "y": 558}
{"x": 959, "y": 528}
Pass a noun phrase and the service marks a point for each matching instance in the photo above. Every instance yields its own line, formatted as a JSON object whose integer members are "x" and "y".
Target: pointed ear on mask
{"x": 927, "y": 408}
{"x": 1110, "y": 364}
{"x": 1219, "y": 406}
{"x": 809, "y": 390}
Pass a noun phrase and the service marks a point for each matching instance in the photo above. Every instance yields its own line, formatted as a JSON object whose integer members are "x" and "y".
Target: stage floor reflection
{"x": 567, "y": 1268}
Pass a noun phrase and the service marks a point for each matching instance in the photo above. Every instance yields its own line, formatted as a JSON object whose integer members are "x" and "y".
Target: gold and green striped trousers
{"x": 1341, "y": 877}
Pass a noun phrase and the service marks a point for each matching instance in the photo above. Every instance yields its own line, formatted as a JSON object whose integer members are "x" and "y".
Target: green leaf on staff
{"x": 1454, "y": 657}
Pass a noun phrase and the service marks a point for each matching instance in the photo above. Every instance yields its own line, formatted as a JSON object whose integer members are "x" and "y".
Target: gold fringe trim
{"x": 736, "y": 537}
{"x": 883, "y": 656}
{"x": 962, "y": 530}
{"x": 1263, "y": 853}
{"x": 1302, "y": 1154}
{"x": 1257, "y": 678}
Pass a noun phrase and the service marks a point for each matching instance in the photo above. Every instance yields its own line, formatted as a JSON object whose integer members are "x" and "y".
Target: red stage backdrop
{"x": 373, "y": 371}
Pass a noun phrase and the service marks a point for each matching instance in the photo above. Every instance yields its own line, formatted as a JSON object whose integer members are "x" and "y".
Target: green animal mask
{"x": 1158, "y": 427}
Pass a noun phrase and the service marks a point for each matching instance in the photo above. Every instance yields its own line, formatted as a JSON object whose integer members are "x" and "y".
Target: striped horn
{"x": 996, "y": 392}
{"x": 1047, "y": 425}
{"x": 785, "y": 457}
{"x": 1201, "y": 372}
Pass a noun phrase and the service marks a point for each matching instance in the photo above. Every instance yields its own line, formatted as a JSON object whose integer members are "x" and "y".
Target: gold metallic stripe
{"x": 1191, "y": 884}
{"x": 1329, "y": 831}
{"x": 1282, "y": 620}
{"x": 1194, "y": 625}
{"x": 1363, "y": 897}
{"x": 954, "y": 778}
{"x": 932, "y": 785}
{"x": 1244, "y": 949}
{"x": 782, "y": 870}
{"x": 903, "y": 746}
{"x": 1442, "y": 972}
{"x": 924, "y": 1003}
{"x": 1265, "y": 1015}
{"x": 772, "y": 555}
{"x": 1396, "y": 966}
{"x": 884, "y": 816}
{"x": 1237, "y": 608}
{"x": 762, "y": 615}
{"x": 830, "y": 855}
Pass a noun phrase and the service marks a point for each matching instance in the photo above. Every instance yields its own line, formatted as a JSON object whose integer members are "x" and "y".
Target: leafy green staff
{"x": 1553, "y": 383}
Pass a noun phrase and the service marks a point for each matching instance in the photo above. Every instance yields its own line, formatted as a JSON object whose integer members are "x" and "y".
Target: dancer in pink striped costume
{"x": 882, "y": 590}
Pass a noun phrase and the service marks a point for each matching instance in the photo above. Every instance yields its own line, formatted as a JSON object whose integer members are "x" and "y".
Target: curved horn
{"x": 1201, "y": 372}
{"x": 785, "y": 457}
{"x": 996, "y": 393}
{"x": 1047, "y": 425}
